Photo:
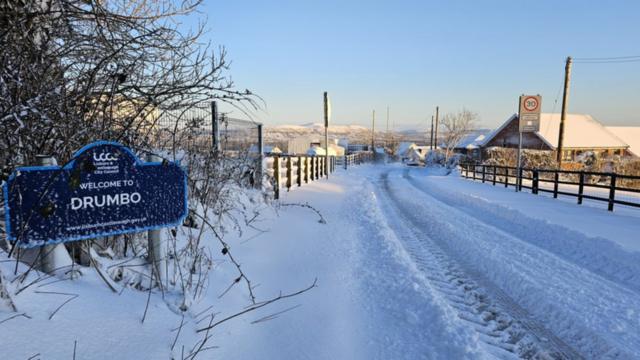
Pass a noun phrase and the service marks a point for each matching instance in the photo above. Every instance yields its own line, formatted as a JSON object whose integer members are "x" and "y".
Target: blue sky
{"x": 414, "y": 55}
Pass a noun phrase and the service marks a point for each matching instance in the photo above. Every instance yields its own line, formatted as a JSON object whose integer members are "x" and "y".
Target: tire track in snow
{"x": 599, "y": 255}
{"x": 593, "y": 314}
{"x": 502, "y": 324}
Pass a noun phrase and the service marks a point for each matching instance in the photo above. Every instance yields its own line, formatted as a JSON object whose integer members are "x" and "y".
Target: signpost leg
{"x": 47, "y": 258}
{"x": 156, "y": 246}
{"x": 53, "y": 257}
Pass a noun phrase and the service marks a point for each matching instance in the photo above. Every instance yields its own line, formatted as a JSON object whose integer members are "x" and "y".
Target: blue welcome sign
{"x": 104, "y": 190}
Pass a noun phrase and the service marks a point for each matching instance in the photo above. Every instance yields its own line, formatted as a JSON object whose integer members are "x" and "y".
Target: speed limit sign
{"x": 529, "y": 114}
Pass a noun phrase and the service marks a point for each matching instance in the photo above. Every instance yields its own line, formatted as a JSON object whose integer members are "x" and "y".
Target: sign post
{"x": 528, "y": 121}
{"x": 104, "y": 190}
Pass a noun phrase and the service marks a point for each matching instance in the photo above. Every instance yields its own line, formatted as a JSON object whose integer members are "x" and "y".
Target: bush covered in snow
{"x": 509, "y": 157}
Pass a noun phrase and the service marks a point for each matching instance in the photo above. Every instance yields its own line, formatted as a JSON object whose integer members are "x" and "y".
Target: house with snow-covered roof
{"x": 318, "y": 150}
{"x": 630, "y": 135}
{"x": 404, "y": 147}
{"x": 582, "y": 133}
{"x": 267, "y": 149}
{"x": 471, "y": 144}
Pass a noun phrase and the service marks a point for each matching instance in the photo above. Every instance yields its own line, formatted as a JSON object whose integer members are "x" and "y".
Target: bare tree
{"x": 75, "y": 71}
{"x": 72, "y": 71}
{"x": 456, "y": 126}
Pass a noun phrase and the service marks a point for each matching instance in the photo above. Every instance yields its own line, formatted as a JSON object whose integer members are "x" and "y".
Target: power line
{"x": 608, "y": 61}
{"x": 609, "y": 58}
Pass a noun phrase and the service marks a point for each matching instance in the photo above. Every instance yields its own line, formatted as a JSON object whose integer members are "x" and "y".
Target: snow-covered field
{"x": 410, "y": 263}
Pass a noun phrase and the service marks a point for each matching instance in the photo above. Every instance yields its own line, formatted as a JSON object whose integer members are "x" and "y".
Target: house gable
{"x": 508, "y": 135}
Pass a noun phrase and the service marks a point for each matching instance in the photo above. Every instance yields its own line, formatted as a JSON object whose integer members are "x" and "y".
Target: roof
{"x": 267, "y": 149}
{"x": 319, "y": 150}
{"x": 473, "y": 139}
{"x": 580, "y": 131}
{"x": 414, "y": 155}
{"x": 628, "y": 134}
{"x": 403, "y": 147}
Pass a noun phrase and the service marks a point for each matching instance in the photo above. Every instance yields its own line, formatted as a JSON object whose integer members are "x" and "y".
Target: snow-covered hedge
{"x": 509, "y": 157}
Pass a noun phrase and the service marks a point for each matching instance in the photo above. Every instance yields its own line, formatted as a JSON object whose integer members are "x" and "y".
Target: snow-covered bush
{"x": 435, "y": 157}
{"x": 455, "y": 160}
{"x": 627, "y": 166}
{"x": 537, "y": 159}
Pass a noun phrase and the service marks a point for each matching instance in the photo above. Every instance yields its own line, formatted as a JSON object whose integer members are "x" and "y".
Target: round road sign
{"x": 531, "y": 103}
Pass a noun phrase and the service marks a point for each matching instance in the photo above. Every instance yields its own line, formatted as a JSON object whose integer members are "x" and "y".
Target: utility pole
{"x": 563, "y": 116}
{"x": 435, "y": 134}
{"x": 373, "y": 131}
{"x": 386, "y": 138}
{"x": 215, "y": 127}
{"x": 327, "y": 115}
{"x": 431, "y": 141}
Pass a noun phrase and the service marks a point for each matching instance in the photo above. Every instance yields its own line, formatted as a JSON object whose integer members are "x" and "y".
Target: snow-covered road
{"x": 416, "y": 264}
{"x": 561, "y": 307}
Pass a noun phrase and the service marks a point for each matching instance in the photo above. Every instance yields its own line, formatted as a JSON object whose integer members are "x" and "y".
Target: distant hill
{"x": 357, "y": 134}
{"x": 280, "y": 134}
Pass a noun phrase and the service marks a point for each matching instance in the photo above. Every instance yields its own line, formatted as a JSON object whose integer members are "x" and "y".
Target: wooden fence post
{"x": 315, "y": 168}
{"x": 307, "y": 169}
{"x": 580, "y": 187}
{"x": 289, "y": 172}
{"x": 612, "y": 191}
{"x": 299, "y": 172}
{"x": 494, "y": 175}
{"x": 474, "y": 172}
{"x": 506, "y": 176}
{"x": 556, "y": 178}
{"x": 534, "y": 185}
{"x": 312, "y": 168}
{"x": 345, "y": 161}
{"x": 484, "y": 170}
{"x": 276, "y": 176}
{"x": 519, "y": 180}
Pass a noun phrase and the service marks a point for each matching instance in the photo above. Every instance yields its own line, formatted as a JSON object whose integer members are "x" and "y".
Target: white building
{"x": 334, "y": 150}
{"x": 267, "y": 149}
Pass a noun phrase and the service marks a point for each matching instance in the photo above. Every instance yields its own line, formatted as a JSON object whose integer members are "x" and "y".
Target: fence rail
{"x": 287, "y": 171}
{"x": 611, "y": 188}
{"x": 356, "y": 158}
